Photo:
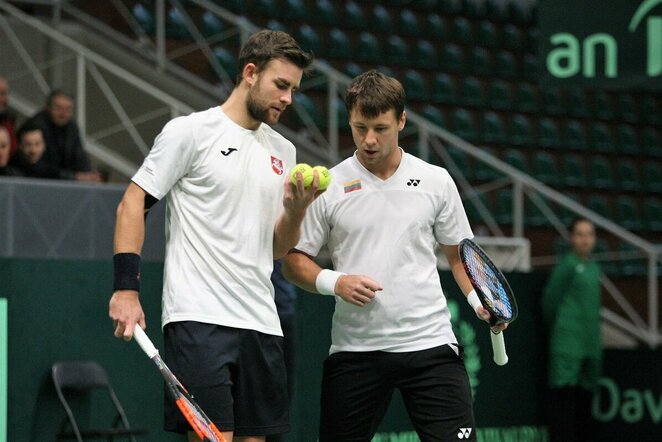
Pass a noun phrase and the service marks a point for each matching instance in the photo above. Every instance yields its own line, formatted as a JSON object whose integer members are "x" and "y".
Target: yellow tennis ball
{"x": 306, "y": 172}
{"x": 325, "y": 176}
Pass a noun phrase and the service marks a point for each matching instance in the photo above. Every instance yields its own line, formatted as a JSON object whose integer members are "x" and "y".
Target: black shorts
{"x": 357, "y": 388}
{"x": 236, "y": 375}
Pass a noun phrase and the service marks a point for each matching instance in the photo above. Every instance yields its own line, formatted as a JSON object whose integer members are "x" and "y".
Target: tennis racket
{"x": 493, "y": 291}
{"x": 203, "y": 427}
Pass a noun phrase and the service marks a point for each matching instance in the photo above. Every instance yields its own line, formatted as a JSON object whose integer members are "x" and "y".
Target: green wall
{"x": 58, "y": 311}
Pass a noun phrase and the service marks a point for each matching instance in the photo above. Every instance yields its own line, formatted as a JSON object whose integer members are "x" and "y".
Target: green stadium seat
{"x": 651, "y": 173}
{"x": 340, "y": 45}
{"x": 521, "y": 131}
{"x": 650, "y": 110}
{"x": 506, "y": 65}
{"x": 176, "y": 25}
{"x": 386, "y": 70}
{"x": 380, "y": 20}
{"x": 415, "y": 86}
{"x": 627, "y": 213}
{"x": 520, "y": 13}
{"x": 293, "y": 10}
{"x": 144, "y": 17}
{"x": 425, "y": 55}
{"x": 548, "y": 133}
{"x": 573, "y": 171}
{"x": 611, "y": 268}
{"x": 492, "y": 128}
{"x": 450, "y": 7}
{"x": 409, "y": 24}
{"x": 526, "y": 98}
{"x": 486, "y": 34}
{"x": 650, "y": 141}
{"x": 601, "y": 173}
{"x": 473, "y": 214}
{"x": 653, "y": 214}
{"x": 309, "y": 39}
{"x": 513, "y": 38}
{"x": 368, "y": 48}
{"x": 545, "y": 168}
{"x": 552, "y": 104}
{"x": 533, "y": 40}
{"x": 343, "y": 115}
{"x": 471, "y": 92}
{"x": 308, "y": 105}
{"x": 627, "y": 108}
{"x": 634, "y": 266}
{"x": 464, "y": 125}
{"x": 435, "y": 115}
{"x": 353, "y": 16}
{"x": 574, "y": 135}
{"x": 444, "y": 89}
{"x": 530, "y": 67}
{"x": 265, "y": 8}
{"x": 236, "y": 6}
{"x": 627, "y": 140}
{"x": 211, "y": 25}
{"x": 602, "y": 106}
{"x": 480, "y": 61}
{"x": 353, "y": 69}
{"x": 397, "y": 51}
{"x": 461, "y": 162}
{"x": 435, "y": 27}
{"x": 503, "y": 212}
{"x": 577, "y": 103}
{"x": 227, "y": 60}
{"x": 452, "y": 58}
{"x": 461, "y": 30}
{"x": 533, "y": 215}
{"x": 601, "y": 139}
{"x": 474, "y": 9}
{"x": 325, "y": 12}
{"x": 484, "y": 171}
{"x": 627, "y": 175}
{"x": 276, "y": 25}
{"x": 496, "y": 10}
{"x": 499, "y": 95}
{"x": 517, "y": 159}
{"x": 600, "y": 204}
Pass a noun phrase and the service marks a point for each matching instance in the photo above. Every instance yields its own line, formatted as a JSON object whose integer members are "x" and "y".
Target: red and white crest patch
{"x": 276, "y": 165}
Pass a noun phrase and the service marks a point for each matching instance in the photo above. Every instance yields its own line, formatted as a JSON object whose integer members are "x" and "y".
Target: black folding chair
{"x": 77, "y": 380}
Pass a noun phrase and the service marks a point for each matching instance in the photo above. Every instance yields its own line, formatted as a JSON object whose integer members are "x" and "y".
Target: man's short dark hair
{"x": 577, "y": 220}
{"x": 27, "y": 128}
{"x": 57, "y": 93}
{"x": 266, "y": 45}
{"x": 373, "y": 93}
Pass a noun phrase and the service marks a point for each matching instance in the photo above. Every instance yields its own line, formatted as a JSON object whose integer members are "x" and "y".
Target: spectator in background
{"x": 29, "y": 160}
{"x": 64, "y": 148}
{"x": 571, "y": 309}
{"x": 285, "y": 296}
{"x": 5, "y": 148}
{"x": 7, "y": 117}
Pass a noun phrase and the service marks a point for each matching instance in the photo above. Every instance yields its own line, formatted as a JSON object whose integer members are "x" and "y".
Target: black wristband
{"x": 127, "y": 271}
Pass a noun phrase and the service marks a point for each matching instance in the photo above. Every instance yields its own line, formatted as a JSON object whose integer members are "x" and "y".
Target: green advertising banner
{"x": 601, "y": 45}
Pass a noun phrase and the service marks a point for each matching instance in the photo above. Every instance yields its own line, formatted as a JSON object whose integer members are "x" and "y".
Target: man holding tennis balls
{"x": 222, "y": 334}
{"x": 381, "y": 218}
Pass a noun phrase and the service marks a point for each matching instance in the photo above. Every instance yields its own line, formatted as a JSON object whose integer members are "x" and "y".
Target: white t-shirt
{"x": 388, "y": 230}
{"x": 224, "y": 187}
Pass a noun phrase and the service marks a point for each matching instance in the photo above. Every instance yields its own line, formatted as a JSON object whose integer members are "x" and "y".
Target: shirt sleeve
{"x": 555, "y": 290}
{"x": 169, "y": 159}
{"x": 451, "y": 225}
{"x": 315, "y": 228}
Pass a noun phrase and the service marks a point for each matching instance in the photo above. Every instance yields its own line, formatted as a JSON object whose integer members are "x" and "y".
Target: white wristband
{"x": 326, "y": 281}
{"x": 473, "y": 300}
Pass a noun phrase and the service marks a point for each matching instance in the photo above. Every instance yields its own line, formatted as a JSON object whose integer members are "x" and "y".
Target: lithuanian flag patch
{"x": 351, "y": 186}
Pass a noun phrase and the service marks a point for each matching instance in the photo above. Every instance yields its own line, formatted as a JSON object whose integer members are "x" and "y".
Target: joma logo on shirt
{"x": 228, "y": 152}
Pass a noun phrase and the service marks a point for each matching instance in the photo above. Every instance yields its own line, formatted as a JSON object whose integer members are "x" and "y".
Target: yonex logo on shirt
{"x": 228, "y": 152}
{"x": 464, "y": 433}
{"x": 413, "y": 182}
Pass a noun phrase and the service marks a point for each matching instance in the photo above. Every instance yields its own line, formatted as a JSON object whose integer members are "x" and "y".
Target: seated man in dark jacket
{"x": 64, "y": 148}
{"x": 30, "y": 160}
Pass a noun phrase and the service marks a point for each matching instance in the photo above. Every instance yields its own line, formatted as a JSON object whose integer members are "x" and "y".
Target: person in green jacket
{"x": 571, "y": 310}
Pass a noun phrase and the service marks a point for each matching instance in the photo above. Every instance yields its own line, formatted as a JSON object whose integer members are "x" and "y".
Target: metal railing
{"x": 434, "y": 142}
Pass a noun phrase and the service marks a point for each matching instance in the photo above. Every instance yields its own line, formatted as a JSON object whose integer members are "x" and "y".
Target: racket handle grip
{"x": 144, "y": 342}
{"x": 499, "y": 348}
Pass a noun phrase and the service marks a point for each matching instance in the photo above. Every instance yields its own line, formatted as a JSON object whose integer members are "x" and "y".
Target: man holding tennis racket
{"x": 381, "y": 218}
{"x": 231, "y": 210}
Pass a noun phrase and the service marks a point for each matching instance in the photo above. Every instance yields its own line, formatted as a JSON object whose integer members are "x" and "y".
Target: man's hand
{"x": 357, "y": 289}
{"x": 125, "y": 311}
{"x": 485, "y": 315}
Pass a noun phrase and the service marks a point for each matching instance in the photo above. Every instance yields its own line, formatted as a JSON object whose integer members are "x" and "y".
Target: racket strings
{"x": 490, "y": 283}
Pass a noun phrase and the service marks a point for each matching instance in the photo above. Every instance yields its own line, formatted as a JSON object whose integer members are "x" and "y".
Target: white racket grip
{"x": 499, "y": 348}
{"x": 144, "y": 342}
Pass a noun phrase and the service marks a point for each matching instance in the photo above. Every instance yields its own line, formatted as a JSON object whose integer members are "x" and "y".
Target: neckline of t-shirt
{"x": 239, "y": 126}
{"x": 374, "y": 178}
